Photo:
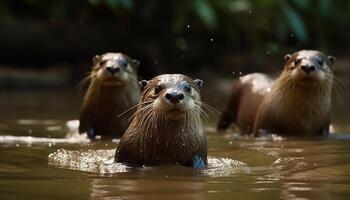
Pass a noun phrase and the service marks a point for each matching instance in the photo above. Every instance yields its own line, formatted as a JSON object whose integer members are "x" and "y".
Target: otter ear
{"x": 95, "y": 60}
{"x": 287, "y": 57}
{"x": 198, "y": 82}
{"x": 136, "y": 62}
{"x": 143, "y": 84}
{"x": 332, "y": 59}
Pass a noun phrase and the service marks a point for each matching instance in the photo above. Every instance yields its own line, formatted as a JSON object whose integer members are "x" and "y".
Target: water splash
{"x": 72, "y": 136}
{"x": 29, "y": 140}
{"x": 218, "y": 167}
{"x": 98, "y": 161}
{"x": 102, "y": 161}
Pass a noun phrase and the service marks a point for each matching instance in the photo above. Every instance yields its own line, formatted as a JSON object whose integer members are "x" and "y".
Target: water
{"x": 42, "y": 157}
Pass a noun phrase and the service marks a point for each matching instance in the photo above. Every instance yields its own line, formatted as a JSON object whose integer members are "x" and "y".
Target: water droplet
{"x": 50, "y": 144}
{"x": 230, "y": 142}
{"x": 292, "y": 35}
{"x": 268, "y": 52}
{"x": 211, "y": 39}
{"x": 240, "y": 73}
{"x": 188, "y": 26}
{"x": 17, "y": 145}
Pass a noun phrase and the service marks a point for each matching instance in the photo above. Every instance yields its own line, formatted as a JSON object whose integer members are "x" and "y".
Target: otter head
{"x": 172, "y": 96}
{"x": 114, "y": 69}
{"x": 309, "y": 68}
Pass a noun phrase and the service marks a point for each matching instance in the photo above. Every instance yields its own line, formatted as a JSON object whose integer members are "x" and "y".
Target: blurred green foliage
{"x": 259, "y": 24}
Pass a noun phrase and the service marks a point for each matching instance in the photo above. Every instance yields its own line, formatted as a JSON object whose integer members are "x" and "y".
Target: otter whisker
{"x": 205, "y": 105}
{"x": 83, "y": 82}
{"x": 132, "y": 107}
{"x": 201, "y": 111}
{"x": 196, "y": 114}
{"x": 147, "y": 123}
{"x": 145, "y": 108}
{"x": 338, "y": 85}
{"x": 96, "y": 91}
{"x": 145, "y": 111}
{"x": 200, "y": 105}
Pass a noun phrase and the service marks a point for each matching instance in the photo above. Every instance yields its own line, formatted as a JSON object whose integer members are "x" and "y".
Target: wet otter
{"x": 166, "y": 128}
{"x": 113, "y": 89}
{"x": 298, "y": 102}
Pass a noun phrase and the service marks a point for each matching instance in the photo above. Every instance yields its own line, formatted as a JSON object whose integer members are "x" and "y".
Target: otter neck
{"x": 288, "y": 101}
{"x": 289, "y": 89}
{"x": 101, "y": 93}
{"x": 154, "y": 127}
{"x": 169, "y": 127}
{"x": 164, "y": 137}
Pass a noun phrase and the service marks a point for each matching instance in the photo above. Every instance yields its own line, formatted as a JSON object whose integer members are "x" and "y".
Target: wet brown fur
{"x": 104, "y": 102}
{"x": 288, "y": 108}
{"x": 152, "y": 139}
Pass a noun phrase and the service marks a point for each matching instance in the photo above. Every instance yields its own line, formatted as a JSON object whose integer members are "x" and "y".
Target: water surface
{"x": 41, "y": 157}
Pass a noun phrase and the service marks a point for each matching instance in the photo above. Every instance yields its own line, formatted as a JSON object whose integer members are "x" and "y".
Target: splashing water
{"x": 102, "y": 161}
{"x": 72, "y": 137}
{"x": 99, "y": 161}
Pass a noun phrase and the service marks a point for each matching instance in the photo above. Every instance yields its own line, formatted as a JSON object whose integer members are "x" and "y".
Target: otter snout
{"x": 174, "y": 97}
{"x": 308, "y": 68}
{"x": 113, "y": 69}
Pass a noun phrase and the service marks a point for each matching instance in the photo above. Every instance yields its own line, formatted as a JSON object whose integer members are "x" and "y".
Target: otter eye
{"x": 297, "y": 62}
{"x": 188, "y": 88}
{"x": 103, "y": 62}
{"x": 157, "y": 89}
{"x": 123, "y": 63}
{"x": 320, "y": 62}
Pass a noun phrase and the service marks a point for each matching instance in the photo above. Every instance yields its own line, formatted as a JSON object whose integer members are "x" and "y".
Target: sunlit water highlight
{"x": 240, "y": 167}
{"x": 72, "y": 136}
{"x": 102, "y": 161}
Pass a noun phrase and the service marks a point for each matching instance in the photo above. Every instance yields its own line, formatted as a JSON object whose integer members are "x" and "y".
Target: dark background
{"x": 50, "y": 43}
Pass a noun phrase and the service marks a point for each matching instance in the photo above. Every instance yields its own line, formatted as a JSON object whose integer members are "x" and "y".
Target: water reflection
{"x": 158, "y": 187}
{"x": 270, "y": 167}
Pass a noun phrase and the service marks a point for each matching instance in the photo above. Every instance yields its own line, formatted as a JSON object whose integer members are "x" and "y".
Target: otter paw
{"x": 91, "y": 133}
{"x": 198, "y": 163}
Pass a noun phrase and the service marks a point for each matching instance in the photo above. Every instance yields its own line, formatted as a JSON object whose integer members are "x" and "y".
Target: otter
{"x": 298, "y": 102}
{"x": 113, "y": 89}
{"x": 166, "y": 128}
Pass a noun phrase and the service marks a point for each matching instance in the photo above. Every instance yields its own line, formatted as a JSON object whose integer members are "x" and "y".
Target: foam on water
{"x": 218, "y": 167}
{"x": 72, "y": 139}
{"x": 102, "y": 161}
{"x": 72, "y": 136}
{"x": 98, "y": 161}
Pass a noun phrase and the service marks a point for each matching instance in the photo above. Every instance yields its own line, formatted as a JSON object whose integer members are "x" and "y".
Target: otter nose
{"x": 174, "y": 97}
{"x": 307, "y": 69}
{"x": 112, "y": 70}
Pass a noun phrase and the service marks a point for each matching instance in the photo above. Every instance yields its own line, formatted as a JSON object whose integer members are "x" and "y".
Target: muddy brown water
{"x": 41, "y": 157}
